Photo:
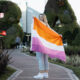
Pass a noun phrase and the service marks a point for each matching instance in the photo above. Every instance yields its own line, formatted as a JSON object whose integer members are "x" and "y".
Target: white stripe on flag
{"x": 46, "y": 43}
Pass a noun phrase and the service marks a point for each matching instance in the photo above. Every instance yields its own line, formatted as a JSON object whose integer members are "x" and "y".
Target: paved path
{"x": 27, "y": 67}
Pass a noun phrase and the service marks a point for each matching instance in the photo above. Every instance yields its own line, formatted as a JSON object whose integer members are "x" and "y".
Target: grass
{"x": 9, "y": 71}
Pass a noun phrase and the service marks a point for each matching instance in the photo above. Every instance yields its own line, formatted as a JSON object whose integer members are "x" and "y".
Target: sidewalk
{"x": 27, "y": 67}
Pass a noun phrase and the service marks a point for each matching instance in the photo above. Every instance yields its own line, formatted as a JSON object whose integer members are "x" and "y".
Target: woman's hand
{"x": 60, "y": 35}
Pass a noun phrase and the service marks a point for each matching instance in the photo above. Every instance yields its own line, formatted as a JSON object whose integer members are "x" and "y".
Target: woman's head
{"x": 43, "y": 18}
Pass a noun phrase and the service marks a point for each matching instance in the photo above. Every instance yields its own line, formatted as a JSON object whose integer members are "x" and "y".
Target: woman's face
{"x": 41, "y": 18}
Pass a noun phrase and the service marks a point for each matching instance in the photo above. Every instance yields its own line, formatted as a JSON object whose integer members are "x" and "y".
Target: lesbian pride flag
{"x": 46, "y": 41}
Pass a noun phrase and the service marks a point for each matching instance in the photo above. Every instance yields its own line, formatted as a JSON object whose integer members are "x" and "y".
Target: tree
{"x": 61, "y": 10}
{"x": 12, "y": 14}
{"x": 10, "y": 22}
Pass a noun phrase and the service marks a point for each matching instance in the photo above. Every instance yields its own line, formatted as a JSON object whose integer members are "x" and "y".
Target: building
{"x": 29, "y": 18}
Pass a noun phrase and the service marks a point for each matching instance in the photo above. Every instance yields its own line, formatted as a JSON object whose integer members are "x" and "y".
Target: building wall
{"x": 23, "y": 18}
{"x": 30, "y": 13}
{"x": 23, "y": 21}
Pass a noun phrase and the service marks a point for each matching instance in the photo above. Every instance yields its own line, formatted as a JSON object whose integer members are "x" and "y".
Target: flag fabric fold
{"x": 46, "y": 41}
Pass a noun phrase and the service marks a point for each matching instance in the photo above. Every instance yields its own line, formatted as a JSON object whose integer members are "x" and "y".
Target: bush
{"x": 51, "y": 18}
{"x": 70, "y": 28}
{"x": 72, "y": 50}
{"x": 12, "y": 32}
{"x": 10, "y": 22}
{"x": 4, "y": 61}
{"x": 12, "y": 14}
{"x": 73, "y": 60}
{"x": 65, "y": 18}
{"x": 76, "y": 41}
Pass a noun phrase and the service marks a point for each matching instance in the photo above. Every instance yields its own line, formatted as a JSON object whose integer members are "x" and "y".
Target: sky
{"x": 39, "y": 5}
{"x": 75, "y": 4}
{"x": 35, "y": 4}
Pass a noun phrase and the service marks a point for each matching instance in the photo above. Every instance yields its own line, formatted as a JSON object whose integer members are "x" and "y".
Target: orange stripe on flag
{"x": 46, "y": 33}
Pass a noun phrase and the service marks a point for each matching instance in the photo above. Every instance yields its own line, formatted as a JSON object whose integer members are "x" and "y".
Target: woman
{"x": 42, "y": 58}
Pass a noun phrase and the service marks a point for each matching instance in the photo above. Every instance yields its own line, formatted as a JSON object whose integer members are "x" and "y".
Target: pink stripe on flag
{"x": 39, "y": 47}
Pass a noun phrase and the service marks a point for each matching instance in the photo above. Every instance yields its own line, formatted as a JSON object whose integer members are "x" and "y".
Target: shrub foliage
{"x": 61, "y": 10}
